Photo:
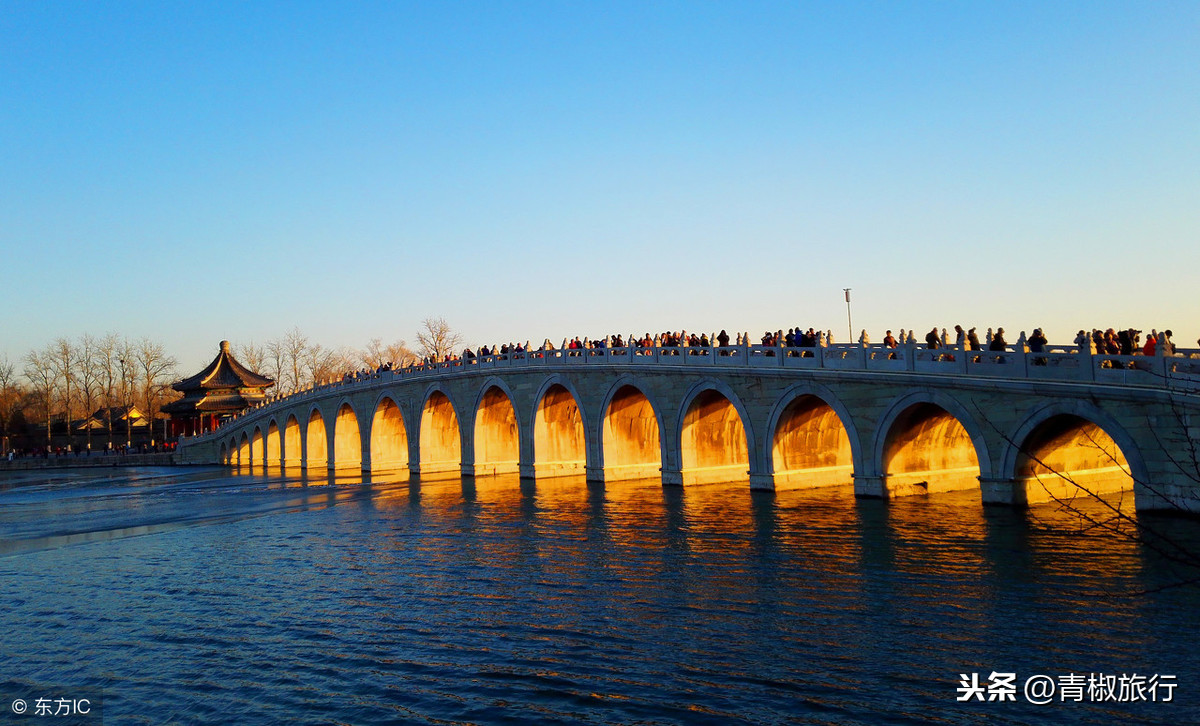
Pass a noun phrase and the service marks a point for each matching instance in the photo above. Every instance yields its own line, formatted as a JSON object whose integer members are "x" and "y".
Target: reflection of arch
{"x": 272, "y": 453}
{"x": 631, "y": 425}
{"x": 559, "y": 435}
{"x": 928, "y": 442}
{"x": 347, "y": 440}
{"x": 440, "y": 441}
{"x": 714, "y": 442}
{"x": 293, "y": 452}
{"x": 1064, "y": 446}
{"x": 256, "y": 447}
{"x": 316, "y": 445}
{"x": 812, "y": 439}
{"x": 497, "y": 441}
{"x": 389, "y": 437}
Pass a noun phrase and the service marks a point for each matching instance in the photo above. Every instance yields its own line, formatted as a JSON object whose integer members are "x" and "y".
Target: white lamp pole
{"x": 849, "y": 322}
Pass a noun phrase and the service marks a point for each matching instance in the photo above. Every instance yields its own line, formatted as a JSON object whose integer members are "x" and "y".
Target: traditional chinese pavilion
{"x": 224, "y": 388}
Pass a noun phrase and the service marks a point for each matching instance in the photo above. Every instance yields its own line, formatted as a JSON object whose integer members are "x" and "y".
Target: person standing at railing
{"x": 998, "y": 343}
{"x": 1165, "y": 345}
{"x": 1037, "y": 344}
{"x": 723, "y": 338}
{"x": 931, "y": 339}
{"x": 1125, "y": 341}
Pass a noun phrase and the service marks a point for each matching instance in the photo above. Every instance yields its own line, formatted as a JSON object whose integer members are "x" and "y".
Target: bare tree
{"x": 155, "y": 369}
{"x": 320, "y": 364}
{"x": 296, "y": 357}
{"x": 91, "y": 382}
{"x": 42, "y": 374}
{"x": 108, "y": 352}
{"x": 437, "y": 339}
{"x": 341, "y": 361}
{"x": 9, "y": 396}
{"x": 127, "y": 360}
{"x": 377, "y": 354}
{"x": 65, "y": 358}
{"x": 252, "y": 356}
{"x": 276, "y": 357}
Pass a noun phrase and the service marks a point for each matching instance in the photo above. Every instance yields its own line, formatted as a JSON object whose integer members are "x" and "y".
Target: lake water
{"x": 193, "y": 595}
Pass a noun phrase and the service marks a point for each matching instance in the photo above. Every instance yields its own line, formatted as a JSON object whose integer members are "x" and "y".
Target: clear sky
{"x": 194, "y": 172}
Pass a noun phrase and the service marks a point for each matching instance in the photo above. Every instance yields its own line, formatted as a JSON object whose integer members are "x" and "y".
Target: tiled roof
{"x": 223, "y": 373}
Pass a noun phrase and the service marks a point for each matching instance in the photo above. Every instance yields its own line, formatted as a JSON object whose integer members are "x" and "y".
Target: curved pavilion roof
{"x": 223, "y": 373}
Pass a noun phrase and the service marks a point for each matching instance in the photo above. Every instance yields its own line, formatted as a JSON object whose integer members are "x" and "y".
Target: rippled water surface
{"x": 197, "y": 596}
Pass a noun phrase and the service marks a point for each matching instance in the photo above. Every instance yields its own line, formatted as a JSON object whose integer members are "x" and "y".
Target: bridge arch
{"x": 559, "y": 429}
{"x": 347, "y": 438}
{"x": 224, "y": 453}
{"x": 293, "y": 449}
{"x": 257, "y": 456}
{"x": 316, "y": 443}
{"x": 273, "y": 456}
{"x": 439, "y": 438}
{"x": 814, "y": 440}
{"x": 389, "y": 435}
{"x": 497, "y": 430}
{"x": 631, "y": 425}
{"x": 1062, "y": 444}
{"x": 716, "y": 444}
{"x": 244, "y": 455}
{"x": 928, "y": 442}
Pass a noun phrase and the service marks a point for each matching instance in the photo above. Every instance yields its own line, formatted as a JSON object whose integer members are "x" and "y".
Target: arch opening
{"x": 293, "y": 455}
{"x": 440, "y": 443}
{"x": 497, "y": 442}
{"x": 1068, "y": 456}
{"x": 559, "y": 443}
{"x": 316, "y": 445}
{"x": 713, "y": 444}
{"x": 244, "y": 451}
{"x": 224, "y": 453}
{"x": 347, "y": 439}
{"x": 256, "y": 448}
{"x": 273, "y": 456}
{"x": 389, "y": 439}
{"x": 811, "y": 447}
{"x": 632, "y": 446}
{"x": 928, "y": 450}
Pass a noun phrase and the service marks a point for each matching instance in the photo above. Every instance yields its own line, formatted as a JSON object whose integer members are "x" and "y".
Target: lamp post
{"x": 849, "y": 322}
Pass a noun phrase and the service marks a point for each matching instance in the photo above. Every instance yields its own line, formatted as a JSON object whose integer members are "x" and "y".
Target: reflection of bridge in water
{"x": 1015, "y": 425}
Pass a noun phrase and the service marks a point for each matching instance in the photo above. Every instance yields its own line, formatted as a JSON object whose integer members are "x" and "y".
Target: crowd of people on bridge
{"x": 1106, "y": 342}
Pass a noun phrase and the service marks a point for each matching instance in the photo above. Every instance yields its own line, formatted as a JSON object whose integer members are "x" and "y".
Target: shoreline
{"x": 88, "y": 462}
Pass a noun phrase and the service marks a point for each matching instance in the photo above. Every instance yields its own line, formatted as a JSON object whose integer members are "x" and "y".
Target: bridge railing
{"x": 1056, "y": 363}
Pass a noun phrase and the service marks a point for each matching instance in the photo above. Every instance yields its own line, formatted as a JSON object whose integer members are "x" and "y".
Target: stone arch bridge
{"x": 1018, "y": 427}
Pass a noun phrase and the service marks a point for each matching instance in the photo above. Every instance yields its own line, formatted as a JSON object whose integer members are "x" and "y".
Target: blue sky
{"x": 194, "y": 172}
